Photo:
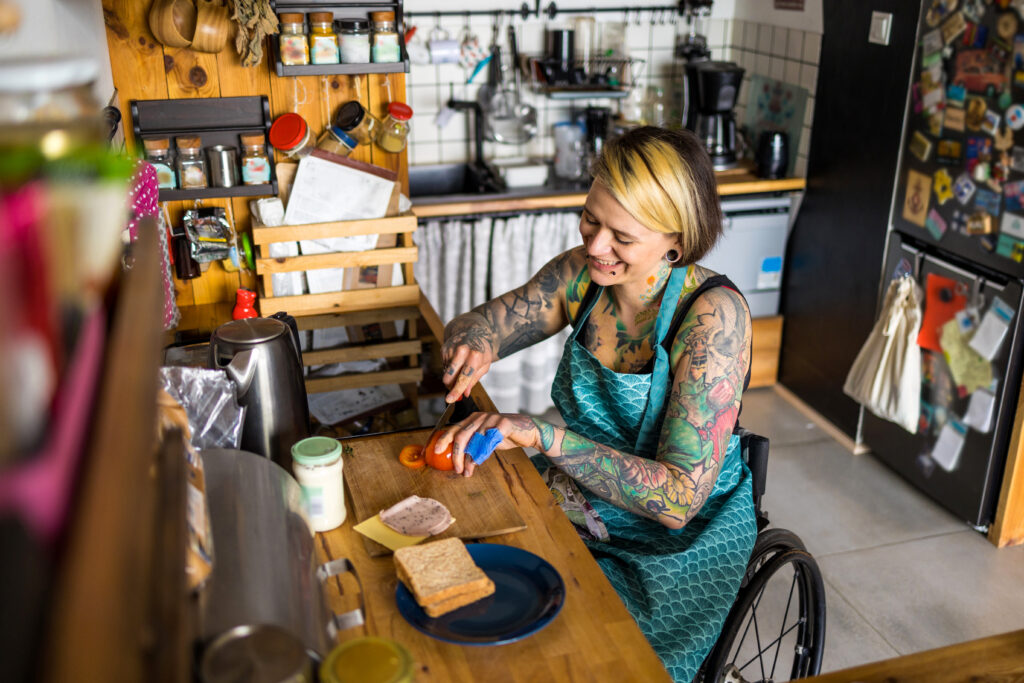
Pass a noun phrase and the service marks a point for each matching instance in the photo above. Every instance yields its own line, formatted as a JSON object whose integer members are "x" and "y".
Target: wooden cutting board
{"x": 375, "y": 480}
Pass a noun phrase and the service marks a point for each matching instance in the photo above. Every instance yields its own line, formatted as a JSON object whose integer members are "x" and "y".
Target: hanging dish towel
{"x": 886, "y": 375}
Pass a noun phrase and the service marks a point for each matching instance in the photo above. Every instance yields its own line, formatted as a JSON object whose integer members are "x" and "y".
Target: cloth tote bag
{"x": 886, "y": 375}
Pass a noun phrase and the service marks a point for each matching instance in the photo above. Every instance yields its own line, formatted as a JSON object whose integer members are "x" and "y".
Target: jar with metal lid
{"x": 336, "y": 141}
{"x": 289, "y": 134}
{"x": 385, "y": 47}
{"x": 255, "y": 164}
{"x": 323, "y": 43}
{"x": 293, "y": 43}
{"x": 191, "y": 164}
{"x": 354, "y": 39}
{"x": 360, "y": 124}
{"x": 159, "y": 156}
{"x": 317, "y": 464}
{"x": 370, "y": 659}
{"x": 393, "y": 132}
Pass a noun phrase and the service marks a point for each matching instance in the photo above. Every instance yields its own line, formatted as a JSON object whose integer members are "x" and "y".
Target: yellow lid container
{"x": 368, "y": 660}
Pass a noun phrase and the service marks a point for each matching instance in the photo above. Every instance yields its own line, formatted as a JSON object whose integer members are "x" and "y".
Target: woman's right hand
{"x": 467, "y": 354}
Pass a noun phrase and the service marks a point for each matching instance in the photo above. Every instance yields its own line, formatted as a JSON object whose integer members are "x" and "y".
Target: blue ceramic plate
{"x": 528, "y": 594}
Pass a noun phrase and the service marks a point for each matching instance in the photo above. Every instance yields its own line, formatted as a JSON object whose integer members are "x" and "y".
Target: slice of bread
{"x": 441, "y": 575}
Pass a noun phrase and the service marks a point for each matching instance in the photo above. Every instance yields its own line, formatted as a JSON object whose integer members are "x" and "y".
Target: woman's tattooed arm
{"x": 710, "y": 356}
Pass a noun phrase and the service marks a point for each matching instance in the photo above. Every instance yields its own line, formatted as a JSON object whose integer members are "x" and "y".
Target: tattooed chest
{"x": 616, "y": 347}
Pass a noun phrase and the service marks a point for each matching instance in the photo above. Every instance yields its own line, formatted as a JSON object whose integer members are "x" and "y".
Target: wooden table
{"x": 996, "y": 658}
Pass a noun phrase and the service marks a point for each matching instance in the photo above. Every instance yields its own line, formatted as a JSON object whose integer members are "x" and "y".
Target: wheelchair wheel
{"x": 779, "y": 613}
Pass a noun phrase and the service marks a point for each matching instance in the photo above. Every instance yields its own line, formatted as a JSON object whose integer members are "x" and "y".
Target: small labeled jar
{"x": 290, "y": 135}
{"x": 370, "y": 659}
{"x": 293, "y": 44}
{"x": 191, "y": 164}
{"x": 360, "y": 124}
{"x": 255, "y": 164}
{"x": 317, "y": 464}
{"x": 323, "y": 43}
{"x": 336, "y": 141}
{"x": 393, "y": 132}
{"x": 385, "y": 47}
{"x": 354, "y": 39}
{"x": 159, "y": 156}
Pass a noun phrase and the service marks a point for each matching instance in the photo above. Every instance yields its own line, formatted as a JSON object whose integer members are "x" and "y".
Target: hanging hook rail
{"x": 551, "y": 10}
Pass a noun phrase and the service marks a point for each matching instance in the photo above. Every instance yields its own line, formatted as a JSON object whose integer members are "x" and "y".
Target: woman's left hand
{"x": 517, "y": 431}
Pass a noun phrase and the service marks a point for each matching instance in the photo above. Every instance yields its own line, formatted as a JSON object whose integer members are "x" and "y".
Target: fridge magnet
{"x": 1010, "y": 247}
{"x": 975, "y": 35}
{"x": 1018, "y": 78}
{"x": 920, "y": 146}
{"x": 990, "y": 123}
{"x": 1015, "y": 117}
{"x": 979, "y": 223}
{"x": 958, "y": 222}
{"x": 931, "y": 42}
{"x": 981, "y": 172}
{"x": 942, "y": 184}
{"x": 954, "y": 119}
{"x": 1018, "y": 51}
{"x": 924, "y": 421}
{"x": 1003, "y": 140}
{"x": 1006, "y": 25}
{"x": 1013, "y": 196}
{"x": 953, "y": 27}
{"x": 974, "y": 10}
{"x": 979, "y": 71}
{"x": 988, "y": 338}
{"x": 950, "y": 153}
{"x": 1005, "y": 99}
{"x": 978, "y": 150}
{"x": 925, "y": 463}
{"x": 935, "y": 224}
{"x": 969, "y": 370}
{"x": 1017, "y": 159}
{"x": 915, "y": 206}
{"x": 938, "y": 11}
{"x": 988, "y": 201}
{"x": 988, "y": 243}
{"x": 904, "y": 267}
{"x": 965, "y": 320}
{"x": 964, "y": 188}
{"x": 975, "y": 114}
{"x": 949, "y": 445}
{"x": 943, "y": 298}
{"x": 1012, "y": 225}
{"x": 956, "y": 94}
{"x": 981, "y": 410}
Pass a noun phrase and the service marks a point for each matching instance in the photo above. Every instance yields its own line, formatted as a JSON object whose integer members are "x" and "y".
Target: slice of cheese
{"x": 376, "y": 530}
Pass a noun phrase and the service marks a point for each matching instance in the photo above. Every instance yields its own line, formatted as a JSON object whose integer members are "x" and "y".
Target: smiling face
{"x": 620, "y": 250}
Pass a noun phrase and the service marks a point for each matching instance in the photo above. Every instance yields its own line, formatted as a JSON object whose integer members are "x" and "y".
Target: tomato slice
{"x": 412, "y": 457}
{"x": 439, "y": 461}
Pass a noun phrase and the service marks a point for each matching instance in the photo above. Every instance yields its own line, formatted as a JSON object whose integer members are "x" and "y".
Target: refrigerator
{"x": 956, "y": 225}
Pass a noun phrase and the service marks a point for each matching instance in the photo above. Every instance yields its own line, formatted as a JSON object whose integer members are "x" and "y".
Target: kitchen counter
{"x": 733, "y": 182}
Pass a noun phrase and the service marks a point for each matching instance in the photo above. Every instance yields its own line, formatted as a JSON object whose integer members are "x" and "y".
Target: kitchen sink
{"x": 439, "y": 180}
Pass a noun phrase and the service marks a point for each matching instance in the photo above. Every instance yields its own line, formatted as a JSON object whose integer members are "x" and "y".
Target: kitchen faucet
{"x": 485, "y": 178}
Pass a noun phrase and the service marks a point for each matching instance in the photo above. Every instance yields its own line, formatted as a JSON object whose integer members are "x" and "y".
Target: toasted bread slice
{"x": 442, "y": 607}
{"x": 440, "y": 570}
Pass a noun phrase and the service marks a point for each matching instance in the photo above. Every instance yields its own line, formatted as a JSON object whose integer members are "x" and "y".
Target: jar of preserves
{"x": 336, "y": 141}
{"x": 317, "y": 464}
{"x": 385, "y": 47}
{"x": 290, "y": 134}
{"x": 255, "y": 164}
{"x": 360, "y": 124}
{"x": 323, "y": 43}
{"x": 393, "y": 132}
{"x": 293, "y": 44}
{"x": 191, "y": 164}
{"x": 159, "y": 156}
{"x": 354, "y": 39}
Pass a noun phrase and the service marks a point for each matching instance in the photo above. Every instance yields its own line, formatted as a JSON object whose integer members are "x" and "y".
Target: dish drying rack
{"x": 607, "y": 77}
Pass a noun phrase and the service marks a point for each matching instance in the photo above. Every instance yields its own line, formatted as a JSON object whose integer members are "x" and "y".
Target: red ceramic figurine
{"x": 244, "y": 308}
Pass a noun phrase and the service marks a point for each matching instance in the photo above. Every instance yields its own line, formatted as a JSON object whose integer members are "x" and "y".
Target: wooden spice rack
{"x": 349, "y": 307}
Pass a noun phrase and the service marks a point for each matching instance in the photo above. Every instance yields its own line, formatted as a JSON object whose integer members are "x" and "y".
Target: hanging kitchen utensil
{"x": 508, "y": 120}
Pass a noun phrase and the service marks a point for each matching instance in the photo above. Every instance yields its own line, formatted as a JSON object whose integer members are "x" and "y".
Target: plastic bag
{"x": 209, "y": 399}
{"x": 886, "y": 375}
{"x": 210, "y": 235}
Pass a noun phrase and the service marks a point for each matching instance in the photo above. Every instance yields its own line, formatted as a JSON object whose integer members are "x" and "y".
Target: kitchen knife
{"x": 441, "y": 421}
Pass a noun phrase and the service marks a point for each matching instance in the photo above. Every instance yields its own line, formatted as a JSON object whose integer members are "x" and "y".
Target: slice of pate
{"x": 415, "y": 516}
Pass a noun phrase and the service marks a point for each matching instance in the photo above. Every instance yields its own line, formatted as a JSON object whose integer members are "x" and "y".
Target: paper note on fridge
{"x": 949, "y": 445}
{"x": 980, "y": 410}
{"x": 326, "y": 190}
{"x": 988, "y": 339}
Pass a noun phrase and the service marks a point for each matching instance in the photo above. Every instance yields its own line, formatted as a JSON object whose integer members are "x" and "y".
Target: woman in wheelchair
{"x": 649, "y": 386}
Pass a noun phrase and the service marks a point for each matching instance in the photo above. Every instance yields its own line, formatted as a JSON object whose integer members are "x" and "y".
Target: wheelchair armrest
{"x": 755, "y": 452}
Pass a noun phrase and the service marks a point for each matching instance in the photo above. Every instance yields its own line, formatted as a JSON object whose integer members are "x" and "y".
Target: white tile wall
{"x": 790, "y": 55}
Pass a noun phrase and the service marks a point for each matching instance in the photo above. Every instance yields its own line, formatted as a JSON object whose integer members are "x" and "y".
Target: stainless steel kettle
{"x": 262, "y": 357}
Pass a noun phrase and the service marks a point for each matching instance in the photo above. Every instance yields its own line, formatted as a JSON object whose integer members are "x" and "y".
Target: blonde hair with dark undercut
{"x": 665, "y": 180}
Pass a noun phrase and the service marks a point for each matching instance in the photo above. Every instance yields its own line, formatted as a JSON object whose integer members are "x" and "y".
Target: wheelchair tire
{"x": 745, "y": 647}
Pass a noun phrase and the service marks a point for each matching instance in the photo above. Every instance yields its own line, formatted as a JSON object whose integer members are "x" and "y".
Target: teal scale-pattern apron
{"x": 677, "y": 584}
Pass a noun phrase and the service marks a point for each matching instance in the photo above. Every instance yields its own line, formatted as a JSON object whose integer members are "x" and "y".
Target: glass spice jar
{"x": 159, "y": 156}
{"x": 393, "y": 132}
{"x": 354, "y": 39}
{"x": 255, "y": 164}
{"x": 385, "y": 48}
{"x": 289, "y": 134}
{"x": 336, "y": 141}
{"x": 294, "y": 46}
{"x": 191, "y": 164}
{"x": 360, "y": 124}
{"x": 323, "y": 43}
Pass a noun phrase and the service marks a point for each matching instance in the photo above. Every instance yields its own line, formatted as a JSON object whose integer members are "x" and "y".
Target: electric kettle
{"x": 262, "y": 357}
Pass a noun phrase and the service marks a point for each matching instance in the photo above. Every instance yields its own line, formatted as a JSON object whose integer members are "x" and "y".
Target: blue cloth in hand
{"x": 481, "y": 446}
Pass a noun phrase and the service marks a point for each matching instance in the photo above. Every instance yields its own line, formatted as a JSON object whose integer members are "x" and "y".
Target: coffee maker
{"x": 718, "y": 86}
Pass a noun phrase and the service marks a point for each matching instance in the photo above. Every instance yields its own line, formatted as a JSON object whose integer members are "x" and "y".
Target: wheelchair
{"x": 779, "y": 611}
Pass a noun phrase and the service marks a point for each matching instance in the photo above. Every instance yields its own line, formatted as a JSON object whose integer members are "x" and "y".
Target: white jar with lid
{"x": 317, "y": 464}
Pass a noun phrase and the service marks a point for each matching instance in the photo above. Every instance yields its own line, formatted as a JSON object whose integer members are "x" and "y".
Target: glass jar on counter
{"x": 255, "y": 164}
{"x": 336, "y": 141}
{"x": 393, "y": 132}
{"x": 293, "y": 43}
{"x": 360, "y": 124}
{"x": 191, "y": 164}
{"x": 159, "y": 156}
{"x": 289, "y": 134}
{"x": 385, "y": 48}
{"x": 323, "y": 43}
{"x": 354, "y": 39}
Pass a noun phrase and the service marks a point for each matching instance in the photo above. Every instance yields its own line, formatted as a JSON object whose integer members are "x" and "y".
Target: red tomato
{"x": 412, "y": 457}
{"x": 439, "y": 461}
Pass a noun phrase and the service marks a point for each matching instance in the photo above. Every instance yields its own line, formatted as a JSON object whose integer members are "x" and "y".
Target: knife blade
{"x": 441, "y": 421}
